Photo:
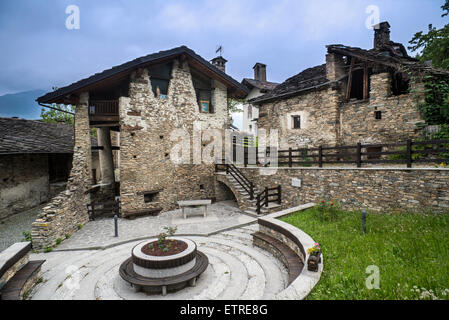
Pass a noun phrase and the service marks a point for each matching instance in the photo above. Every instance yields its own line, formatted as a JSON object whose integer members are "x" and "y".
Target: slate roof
{"x": 262, "y": 85}
{"x": 19, "y": 136}
{"x": 394, "y": 56}
{"x": 129, "y": 66}
{"x": 306, "y": 80}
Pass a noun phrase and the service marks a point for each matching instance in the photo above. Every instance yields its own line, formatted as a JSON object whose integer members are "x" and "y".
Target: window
{"x": 296, "y": 122}
{"x": 149, "y": 197}
{"x": 203, "y": 89}
{"x": 399, "y": 84}
{"x": 160, "y": 78}
{"x": 378, "y": 115}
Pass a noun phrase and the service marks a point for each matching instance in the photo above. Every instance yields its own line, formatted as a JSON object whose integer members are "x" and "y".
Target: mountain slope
{"x": 22, "y": 105}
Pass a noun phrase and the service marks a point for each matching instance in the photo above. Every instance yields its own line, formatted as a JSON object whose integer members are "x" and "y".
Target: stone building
{"x": 155, "y": 103}
{"x": 257, "y": 87}
{"x": 367, "y": 96}
{"x": 35, "y": 162}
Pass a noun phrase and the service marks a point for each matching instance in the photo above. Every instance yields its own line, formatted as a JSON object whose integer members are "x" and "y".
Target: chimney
{"x": 381, "y": 35}
{"x": 220, "y": 63}
{"x": 260, "y": 72}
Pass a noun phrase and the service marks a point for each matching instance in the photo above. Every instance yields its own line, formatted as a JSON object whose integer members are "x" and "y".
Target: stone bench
{"x": 17, "y": 274}
{"x": 164, "y": 285}
{"x": 289, "y": 244}
{"x": 289, "y": 258}
{"x": 141, "y": 213}
{"x": 193, "y": 204}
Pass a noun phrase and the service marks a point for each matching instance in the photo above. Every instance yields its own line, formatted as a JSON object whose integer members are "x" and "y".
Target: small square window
{"x": 296, "y": 122}
{"x": 378, "y": 115}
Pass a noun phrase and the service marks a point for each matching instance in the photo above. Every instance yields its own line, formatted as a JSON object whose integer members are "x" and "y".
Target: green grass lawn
{"x": 410, "y": 250}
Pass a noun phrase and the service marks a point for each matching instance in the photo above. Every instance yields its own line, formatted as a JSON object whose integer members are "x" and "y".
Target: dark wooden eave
{"x": 116, "y": 74}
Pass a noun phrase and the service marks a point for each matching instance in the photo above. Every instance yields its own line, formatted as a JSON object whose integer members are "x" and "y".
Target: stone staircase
{"x": 246, "y": 204}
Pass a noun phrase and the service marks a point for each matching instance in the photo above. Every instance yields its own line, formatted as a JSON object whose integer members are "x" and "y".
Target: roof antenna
{"x": 219, "y": 50}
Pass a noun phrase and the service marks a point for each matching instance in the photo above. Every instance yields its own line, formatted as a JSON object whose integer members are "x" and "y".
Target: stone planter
{"x": 314, "y": 261}
{"x": 161, "y": 274}
{"x": 163, "y": 267}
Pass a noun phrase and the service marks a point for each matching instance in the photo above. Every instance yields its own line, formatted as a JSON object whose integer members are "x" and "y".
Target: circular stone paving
{"x": 237, "y": 270}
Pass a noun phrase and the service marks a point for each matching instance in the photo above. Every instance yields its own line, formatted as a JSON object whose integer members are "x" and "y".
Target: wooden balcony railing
{"x": 104, "y": 112}
{"x": 104, "y": 108}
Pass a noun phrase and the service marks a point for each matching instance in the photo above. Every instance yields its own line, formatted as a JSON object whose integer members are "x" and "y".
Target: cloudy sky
{"x": 39, "y": 52}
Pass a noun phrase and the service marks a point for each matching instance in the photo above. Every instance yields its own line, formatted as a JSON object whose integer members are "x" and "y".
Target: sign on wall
{"x": 296, "y": 182}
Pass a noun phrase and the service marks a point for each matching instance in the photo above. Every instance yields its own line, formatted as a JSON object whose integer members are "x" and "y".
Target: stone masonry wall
{"x": 319, "y": 119}
{"x": 373, "y": 189}
{"x": 67, "y": 211}
{"x": 147, "y": 124}
{"x": 399, "y": 115}
{"x": 23, "y": 183}
{"x": 327, "y": 120}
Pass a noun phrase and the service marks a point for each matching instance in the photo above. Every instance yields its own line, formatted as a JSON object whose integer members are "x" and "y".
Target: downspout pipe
{"x": 54, "y": 108}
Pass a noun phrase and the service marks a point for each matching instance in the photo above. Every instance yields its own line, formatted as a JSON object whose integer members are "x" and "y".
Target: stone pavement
{"x": 237, "y": 270}
{"x": 99, "y": 234}
{"x": 12, "y": 228}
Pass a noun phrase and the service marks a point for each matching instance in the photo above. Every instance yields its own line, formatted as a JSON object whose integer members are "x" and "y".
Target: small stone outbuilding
{"x": 35, "y": 162}
{"x": 358, "y": 95}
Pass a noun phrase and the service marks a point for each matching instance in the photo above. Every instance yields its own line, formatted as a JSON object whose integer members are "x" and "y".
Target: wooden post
{"x": 245, "y": 156}
{"x": 257, "y": 156}
{"x": 348, "y": 89}
{"x": 258, "y": 204}
{"x": 280, "y": 194}
{"x": 359, "y": 155}
{"x": 266, "y": 197}
{"x": 227, "y": 169}
{"x": 365, "y": 82}
{"x": 290, "y": 159}
{"x": 409, "y": 153}
{"x": 320, "y": 155}
{"x": 251, "y": 196}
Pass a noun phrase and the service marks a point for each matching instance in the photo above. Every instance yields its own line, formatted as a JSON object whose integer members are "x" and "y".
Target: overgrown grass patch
{"x": 410, "y": 250}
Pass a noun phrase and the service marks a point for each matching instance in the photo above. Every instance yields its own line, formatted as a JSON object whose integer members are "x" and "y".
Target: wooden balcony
{"x": 104, "y": 112}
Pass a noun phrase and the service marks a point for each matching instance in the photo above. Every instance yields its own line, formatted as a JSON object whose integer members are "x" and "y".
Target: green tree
{"x": 63, "y": 114}
{"x": 52, "y": 115}
{"x": 233, "y": 104}
{"x": 434, "y": 44}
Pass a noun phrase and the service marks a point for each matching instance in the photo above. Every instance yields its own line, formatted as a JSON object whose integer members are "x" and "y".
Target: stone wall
{"x": 375, "y": 189}
{"x": 67, "y": 211}
{"x": 23, "y": 183}
{"x": 399, "y": 115}
{"x": 327, "y": 120}
{"x": 319, "y": 119}
{"x": 147, "y": 124}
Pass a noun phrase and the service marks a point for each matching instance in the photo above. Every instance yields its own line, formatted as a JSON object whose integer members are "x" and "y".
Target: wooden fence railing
{"x": 410, "y": 152}
{"x": 267, "y": 196}
{"x": 104, "y": 107}
{"x": 241, "y": 179}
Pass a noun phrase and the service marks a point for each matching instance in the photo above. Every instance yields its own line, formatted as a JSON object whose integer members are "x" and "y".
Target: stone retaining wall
{"x": 299, "y": 242}
{"x": 68, "y": 210}
{"x": 376, "y": 189}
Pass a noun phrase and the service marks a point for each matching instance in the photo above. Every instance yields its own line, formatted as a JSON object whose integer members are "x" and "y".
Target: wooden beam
{"x": 365, "y": 82}
{"x": 348, "y": 89}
